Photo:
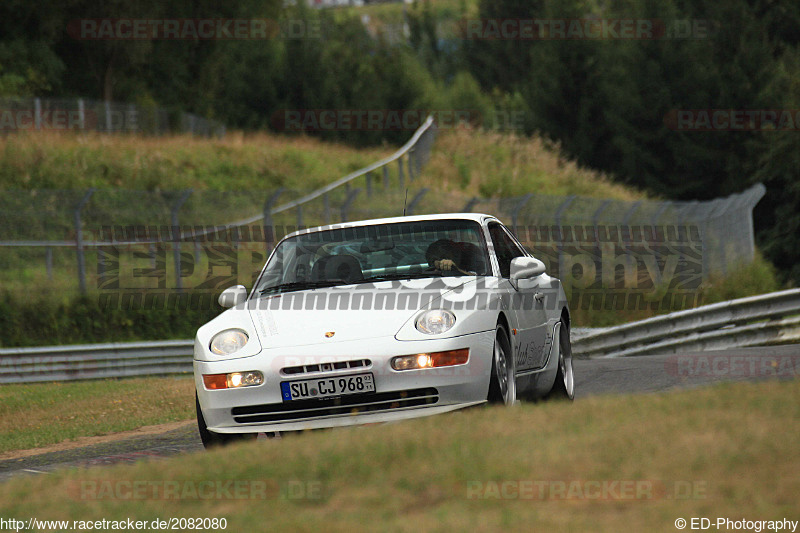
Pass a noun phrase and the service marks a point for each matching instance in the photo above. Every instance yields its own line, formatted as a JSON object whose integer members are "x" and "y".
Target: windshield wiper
{"x": 301, "y": 286}
{"x": 400, "y": 276}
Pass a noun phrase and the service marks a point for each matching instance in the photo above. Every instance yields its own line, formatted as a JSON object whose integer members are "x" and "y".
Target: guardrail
{"x": 94, "y": 361}
{"x": 752, "y": 321}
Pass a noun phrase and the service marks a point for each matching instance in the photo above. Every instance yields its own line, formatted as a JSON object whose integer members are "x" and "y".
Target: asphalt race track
{"x": 647, "y": 374}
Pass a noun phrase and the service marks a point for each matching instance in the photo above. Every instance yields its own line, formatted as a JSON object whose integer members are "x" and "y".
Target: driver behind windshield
{"x": 448, "y": 256}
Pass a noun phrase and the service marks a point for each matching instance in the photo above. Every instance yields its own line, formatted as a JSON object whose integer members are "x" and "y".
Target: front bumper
{"x": 398, "y": 394}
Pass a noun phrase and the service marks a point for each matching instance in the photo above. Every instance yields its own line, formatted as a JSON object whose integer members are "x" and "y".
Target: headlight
{"x": 228, "y": 341}
{"x": 435, "y": 321}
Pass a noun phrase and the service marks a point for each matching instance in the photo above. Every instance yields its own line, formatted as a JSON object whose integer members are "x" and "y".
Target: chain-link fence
{"x": 72, "y": 234}
{"x": 80, "y": 114}
{"x": 724, "y": 226}
{"x": 186, "y": 240}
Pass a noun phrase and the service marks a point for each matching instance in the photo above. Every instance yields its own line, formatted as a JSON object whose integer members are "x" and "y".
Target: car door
{"x": 526, "y": 303}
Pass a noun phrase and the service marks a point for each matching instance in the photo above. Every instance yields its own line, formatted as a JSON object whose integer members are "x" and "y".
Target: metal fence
{"x": 71, "y": 232}
{"x": 722, "y": 229}
{"x": 80, "y": 114}
{"x": 601, "y": 248}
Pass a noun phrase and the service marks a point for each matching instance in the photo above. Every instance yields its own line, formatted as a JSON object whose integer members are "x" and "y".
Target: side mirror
{"x": 233, "y": 296}
{"x": 525, "y": 268}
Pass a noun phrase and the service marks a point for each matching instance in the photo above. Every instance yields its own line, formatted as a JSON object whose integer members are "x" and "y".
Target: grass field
{"x": 237, "y": 162}
{"x": 37, "y": 414}
{"x": 464, "y": 161}
{"x": 610, "y": 463}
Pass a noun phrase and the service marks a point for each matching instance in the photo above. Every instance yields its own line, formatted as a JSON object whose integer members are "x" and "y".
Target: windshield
{"x": 364, "y": 254}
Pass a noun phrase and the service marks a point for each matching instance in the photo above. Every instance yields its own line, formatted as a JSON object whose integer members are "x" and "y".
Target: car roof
{"x": 477, "y": 217}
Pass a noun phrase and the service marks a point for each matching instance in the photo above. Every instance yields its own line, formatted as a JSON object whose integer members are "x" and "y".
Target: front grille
{"x": 353, "y": 404}
{"x": 326, "y": 367}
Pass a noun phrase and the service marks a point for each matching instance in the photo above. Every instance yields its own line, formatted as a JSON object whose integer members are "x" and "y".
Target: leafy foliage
{"x": 609, "y": 101}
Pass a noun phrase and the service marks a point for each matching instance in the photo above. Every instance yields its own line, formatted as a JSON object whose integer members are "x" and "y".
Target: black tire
{"x": 211, "y": 439}
{"x": 502, "y": 390}
{"x": 564, "y": 386}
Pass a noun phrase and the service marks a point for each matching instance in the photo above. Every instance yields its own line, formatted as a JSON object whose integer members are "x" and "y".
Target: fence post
{"x": 711, "y": 223}
{"x": 400, "y": 170}
{"x": 269, "y": 230}
{"x": 81, "y": 115}
{"x": 385, "y": 177}
{"x": 326, "y": 200}
{"x": 37, "y": 106}
{"x": 48, "y": 261}
{"x": 626, "y": 225}
{"x": 368, "y": 178}
{"x": 753, "y": 196}
{"x": 108, "y": 116}
{"x": 176, "y": 237}
{"x": 517, "y": 209}
{"x": 559, "y": 212}
{"x": 470, "y": 205}
{"x": 596, "y": 219}
{"x": 299, "y": 216}
{"x": 79, "y": 239}
{"x": 351, "y": 196}
{"x": 416, "y": 200}
{"x": 657, "y": 215}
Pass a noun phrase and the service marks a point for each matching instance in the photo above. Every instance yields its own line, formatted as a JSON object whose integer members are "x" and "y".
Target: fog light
{"x": 233, "y": 380}
{"x": 431, "y": 360}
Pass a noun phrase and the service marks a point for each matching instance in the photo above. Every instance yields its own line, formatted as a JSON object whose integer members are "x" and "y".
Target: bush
{"x": 44, "y": 319}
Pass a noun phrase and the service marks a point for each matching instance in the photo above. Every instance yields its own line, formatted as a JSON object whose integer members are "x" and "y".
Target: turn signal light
{"x": 233, "y": 380}
{"x": 431, "y": 360}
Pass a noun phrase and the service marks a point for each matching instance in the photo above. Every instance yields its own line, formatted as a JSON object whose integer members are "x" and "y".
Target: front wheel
{"x": 502, "y": 383}
{"x": 211, "y": 439}
{"x": 564, "y": 386}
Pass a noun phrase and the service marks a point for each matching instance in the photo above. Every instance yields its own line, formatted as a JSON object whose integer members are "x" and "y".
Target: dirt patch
{"x": 100, "y": 439}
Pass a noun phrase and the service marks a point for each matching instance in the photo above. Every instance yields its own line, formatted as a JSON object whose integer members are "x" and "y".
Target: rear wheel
{"x": 211, "y": 439}
{"x": 564, "y": 386}
{"x": 502, "y": 384}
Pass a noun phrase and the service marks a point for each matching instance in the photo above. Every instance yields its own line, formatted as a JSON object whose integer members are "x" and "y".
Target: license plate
{"x": 327, "y": 387}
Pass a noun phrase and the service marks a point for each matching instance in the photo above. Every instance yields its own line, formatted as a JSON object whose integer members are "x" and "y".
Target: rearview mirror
{"x": 233, "y": 296}
{"x": 525, "y": 268}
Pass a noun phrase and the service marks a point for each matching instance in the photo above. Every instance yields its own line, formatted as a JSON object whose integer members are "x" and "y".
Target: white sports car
{"x": 382, "y": 320}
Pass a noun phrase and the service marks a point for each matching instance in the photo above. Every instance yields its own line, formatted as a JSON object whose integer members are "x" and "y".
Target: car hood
{"x": 353, "y": 312}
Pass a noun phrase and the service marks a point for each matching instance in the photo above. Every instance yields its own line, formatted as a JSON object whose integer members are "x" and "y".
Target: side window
{"x": 504, "y": 248}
